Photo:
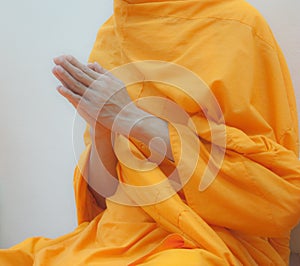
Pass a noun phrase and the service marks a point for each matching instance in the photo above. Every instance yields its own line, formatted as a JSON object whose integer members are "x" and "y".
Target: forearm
{"x": 102, "y": 163}
{"x": 102, "y": 166}
{"x": 156, "y": 129}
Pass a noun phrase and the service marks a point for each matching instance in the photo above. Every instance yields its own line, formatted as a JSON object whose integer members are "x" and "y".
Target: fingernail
{"x": 60, "y": 88}
{"x": 58, "y": 60}
{"x": 59, "y": 69}
{"x": 69, "y": 57}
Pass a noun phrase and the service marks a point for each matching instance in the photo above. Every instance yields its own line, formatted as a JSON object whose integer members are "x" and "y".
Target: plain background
{"x": 36, "y": 137}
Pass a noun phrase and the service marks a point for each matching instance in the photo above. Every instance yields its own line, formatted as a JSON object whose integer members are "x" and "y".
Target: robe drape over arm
{"x": 244, "y": 217}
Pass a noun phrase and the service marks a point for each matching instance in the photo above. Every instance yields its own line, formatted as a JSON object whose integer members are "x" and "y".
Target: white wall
{"x": 283, "y": 17}
{"x": 36, "y": 152}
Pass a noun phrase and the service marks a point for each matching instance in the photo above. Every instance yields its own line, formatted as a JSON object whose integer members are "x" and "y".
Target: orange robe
{"x": 245, "y": 215}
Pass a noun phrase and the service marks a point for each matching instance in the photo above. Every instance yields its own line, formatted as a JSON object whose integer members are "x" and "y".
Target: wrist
{"x": 98, "y": 131}
{"x": 147, "y": 128}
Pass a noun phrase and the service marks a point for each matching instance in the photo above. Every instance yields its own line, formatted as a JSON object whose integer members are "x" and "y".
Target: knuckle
{"x": 78, "y": 74}
{"x": 86, "y": 69}
{"x": 100, "y": 83}
{"x": 77, "y": 98}
{"x": 70, "y": 58}
{"x": 75, "y": 86}
{"x": 72, "y": 87}
{"x": 106, "y": 78}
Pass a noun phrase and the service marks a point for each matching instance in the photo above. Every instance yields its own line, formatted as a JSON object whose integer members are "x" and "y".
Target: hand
{"x": 99, "y": 97}
{"x": 95, "y": 93}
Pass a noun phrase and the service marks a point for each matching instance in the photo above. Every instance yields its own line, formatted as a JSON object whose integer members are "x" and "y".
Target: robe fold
{"x": 245, "y": 214}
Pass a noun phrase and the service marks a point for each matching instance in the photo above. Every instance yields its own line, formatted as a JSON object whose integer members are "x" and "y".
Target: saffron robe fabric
{"x": 245, "y": 216}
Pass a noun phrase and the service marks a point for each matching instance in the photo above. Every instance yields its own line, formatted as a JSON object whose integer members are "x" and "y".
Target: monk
{"x": 191, "y": 145}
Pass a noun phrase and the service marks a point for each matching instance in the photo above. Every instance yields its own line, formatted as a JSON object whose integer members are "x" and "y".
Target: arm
{"x": 154, "y": 133}
{"x": 102, "y": 162}
{"x": 99, "y": 97}
{"x": 102, "y": 165}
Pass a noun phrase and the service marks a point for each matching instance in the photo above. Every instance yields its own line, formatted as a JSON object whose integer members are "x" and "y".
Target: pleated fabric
{"x": 244, "y": 216}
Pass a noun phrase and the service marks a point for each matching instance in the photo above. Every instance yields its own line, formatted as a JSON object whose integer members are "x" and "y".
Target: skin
{"x": 89, "y": 87}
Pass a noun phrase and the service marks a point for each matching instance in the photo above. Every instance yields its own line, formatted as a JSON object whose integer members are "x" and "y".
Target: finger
{"x": 101, "y": 70}
{"x": 85, "y": 69}
{"x": 68, "y": 81}
{"x": 96, "y": 67}
{"x": 58, "y": 77}
{"x": 72, "y": 60}
{"x": 77, "y": 72}
{"x": 72, "y": 97}
{"x": 78, "y": 102}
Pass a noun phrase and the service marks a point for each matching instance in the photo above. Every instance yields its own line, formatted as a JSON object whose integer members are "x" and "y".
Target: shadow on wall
{"x": 295, "y": 259}
{"x": 295, "y": 247}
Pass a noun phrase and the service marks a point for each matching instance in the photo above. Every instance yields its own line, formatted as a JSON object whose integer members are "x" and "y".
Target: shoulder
{"x": 234, "y": 15}
{"x": 243, "y": 13}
